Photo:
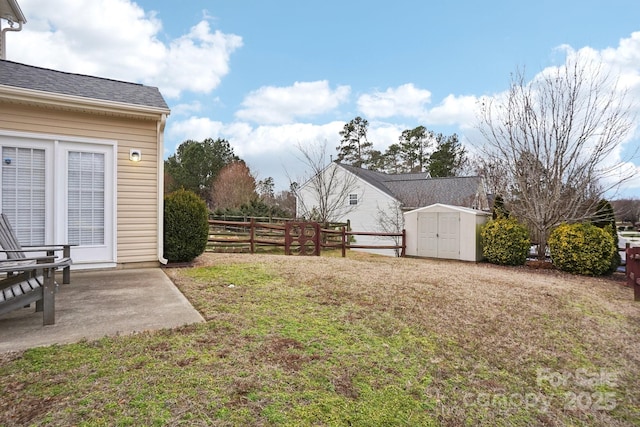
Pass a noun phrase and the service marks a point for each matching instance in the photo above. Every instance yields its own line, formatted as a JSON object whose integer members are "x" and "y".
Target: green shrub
{"x": 505, "y": 241}
{"x": 186, "y": 226}
{"x": 581, "y": 248}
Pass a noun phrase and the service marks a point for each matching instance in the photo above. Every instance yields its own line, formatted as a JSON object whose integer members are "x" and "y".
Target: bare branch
{"x": 553, "y": 139}
{"x": 324, "y": 194}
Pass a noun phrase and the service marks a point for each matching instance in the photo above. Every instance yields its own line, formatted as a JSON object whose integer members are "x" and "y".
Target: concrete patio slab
{"x": 101, "y": 303}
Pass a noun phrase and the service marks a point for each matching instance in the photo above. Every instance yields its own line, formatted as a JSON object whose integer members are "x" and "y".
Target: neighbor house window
{"x": 353, "y": 199}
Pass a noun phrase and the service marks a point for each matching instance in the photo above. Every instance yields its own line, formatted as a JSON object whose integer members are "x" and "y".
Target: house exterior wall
{"x": 371, "y": 204}
{"x": 137, "y": 184}
{"x": 364, "y": 215}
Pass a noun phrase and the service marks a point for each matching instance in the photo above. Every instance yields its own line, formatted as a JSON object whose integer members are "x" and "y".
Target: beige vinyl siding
{"x": 137, "y": 183}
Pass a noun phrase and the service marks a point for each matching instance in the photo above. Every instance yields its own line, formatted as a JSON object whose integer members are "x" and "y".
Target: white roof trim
{"x": 73, "y": 102}
{"x": 12, "y": 11}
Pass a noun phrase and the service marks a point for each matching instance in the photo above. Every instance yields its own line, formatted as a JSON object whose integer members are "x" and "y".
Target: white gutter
{"x": 3, "y": 39}
{"x": 12, "y": 15}
{"x": 160, "y": 131}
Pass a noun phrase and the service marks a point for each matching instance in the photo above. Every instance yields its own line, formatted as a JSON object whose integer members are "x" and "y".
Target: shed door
{"x": 439, "y": 235}
{"x": 449, "y": 235}
{"x": 428, "y": 234}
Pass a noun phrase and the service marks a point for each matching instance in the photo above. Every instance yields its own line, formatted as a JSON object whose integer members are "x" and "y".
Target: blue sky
{"x": 270, "y": 75}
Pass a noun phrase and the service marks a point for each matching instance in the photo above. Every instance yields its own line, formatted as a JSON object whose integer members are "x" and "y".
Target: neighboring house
{"x": 376, "y": 197}
{"x": 82, "y": 162}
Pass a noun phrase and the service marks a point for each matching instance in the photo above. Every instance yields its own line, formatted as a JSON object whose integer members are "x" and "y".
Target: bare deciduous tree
{"x": 554, "y": 137}
{"x": 627, "y": 210}
{"x": 325, "y": 193}
{"x": 391, "y": 220}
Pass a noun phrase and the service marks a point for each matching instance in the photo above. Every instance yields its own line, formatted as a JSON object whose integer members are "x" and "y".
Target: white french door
{"x": 61, "y": 191}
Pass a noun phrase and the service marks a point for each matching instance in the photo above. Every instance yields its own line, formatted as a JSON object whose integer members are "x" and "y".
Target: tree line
{"x": 417, "y": 150}
{"x": 212, "y": 170}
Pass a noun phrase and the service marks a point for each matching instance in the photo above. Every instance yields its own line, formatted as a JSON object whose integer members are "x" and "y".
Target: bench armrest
{"x": 60, "y": 263}
{"x": 46, "y": 258}
{"x": 49, "y": 247}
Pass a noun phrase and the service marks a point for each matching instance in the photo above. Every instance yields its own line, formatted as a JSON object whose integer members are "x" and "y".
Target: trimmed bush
{"x": 505, "y": 241}
{"x": 186, "y": 226}
{"x": 581, "y": 248}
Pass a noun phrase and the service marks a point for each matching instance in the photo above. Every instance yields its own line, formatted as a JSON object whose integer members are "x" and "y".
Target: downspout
{"x": 3, "y": 36}
{"x": 160, "y": 132}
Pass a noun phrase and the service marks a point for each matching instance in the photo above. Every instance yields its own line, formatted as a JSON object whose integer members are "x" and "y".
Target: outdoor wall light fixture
{"x": 135, "y": 155}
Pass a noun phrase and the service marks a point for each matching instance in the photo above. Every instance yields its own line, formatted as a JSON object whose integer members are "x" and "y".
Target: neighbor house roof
{"x": 418, "y": 189}
{"x": 44, "y": 81}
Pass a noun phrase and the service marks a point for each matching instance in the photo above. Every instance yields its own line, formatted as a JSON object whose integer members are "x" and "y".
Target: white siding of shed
{"x": 424, "y": 242}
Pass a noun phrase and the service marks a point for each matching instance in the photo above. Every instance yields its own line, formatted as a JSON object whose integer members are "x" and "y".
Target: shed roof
{"x": 34, "y": 78}
{"x": 438, "y": 206}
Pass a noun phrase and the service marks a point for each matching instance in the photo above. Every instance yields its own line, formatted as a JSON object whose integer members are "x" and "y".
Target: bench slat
{"x": 22, "y": 288}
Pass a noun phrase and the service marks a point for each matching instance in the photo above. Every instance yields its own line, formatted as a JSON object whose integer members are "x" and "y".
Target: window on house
{"x": 86, "y": 207}
{"x": 23, "y": 192}
{"x": 353, "y": 199}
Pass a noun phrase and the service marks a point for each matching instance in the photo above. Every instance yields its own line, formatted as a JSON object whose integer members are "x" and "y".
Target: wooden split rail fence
{"x": 296, "y": 237}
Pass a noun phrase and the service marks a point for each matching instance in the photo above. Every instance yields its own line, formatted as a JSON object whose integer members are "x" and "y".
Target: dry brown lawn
{"x": 498, "y": 332}
{"x": 361, "y": 341}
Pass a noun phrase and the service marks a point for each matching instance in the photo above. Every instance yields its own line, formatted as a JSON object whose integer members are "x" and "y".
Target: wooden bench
{"x": 30, "y": 280}
{"x": 14, "y": 251}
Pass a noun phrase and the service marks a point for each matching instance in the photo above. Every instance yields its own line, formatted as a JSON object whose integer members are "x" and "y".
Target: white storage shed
{"x": 445, "y": 231}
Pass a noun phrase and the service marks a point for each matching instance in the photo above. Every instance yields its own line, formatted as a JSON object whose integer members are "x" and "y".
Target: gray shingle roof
{"x": 417, "y": 189}
{"x": 59, "y": 82}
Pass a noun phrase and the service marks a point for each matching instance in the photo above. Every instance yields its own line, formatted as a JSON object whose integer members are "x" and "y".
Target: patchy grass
{"x": 357, "y": 341}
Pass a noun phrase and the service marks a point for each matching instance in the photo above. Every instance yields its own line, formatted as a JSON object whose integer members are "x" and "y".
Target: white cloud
{"x": 246, "y": 139}
{"x": 384, "y": 134}
{"x": 404, "y": 101}
{"x": 196, "y": 61}
{"x": 279, "y": 105}
{"x": 186, "y": 109}
{"x": 454, "y": 110}
{"x": 194, "y": 128}
{"x": 118, "y": 39}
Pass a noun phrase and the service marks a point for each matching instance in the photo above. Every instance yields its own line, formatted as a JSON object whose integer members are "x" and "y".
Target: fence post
{"x": 403, "y": 251}
{"x": 626, "y": 263}
{"x": 344, "y": 241}
{"x": 287, "y": 238}
{"x": 632, "y": 268}
{"x": 252, "y": 235}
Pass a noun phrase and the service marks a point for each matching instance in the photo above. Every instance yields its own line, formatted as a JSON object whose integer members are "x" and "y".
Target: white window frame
{"x": 353, "y": 199}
